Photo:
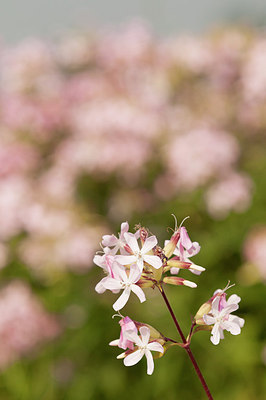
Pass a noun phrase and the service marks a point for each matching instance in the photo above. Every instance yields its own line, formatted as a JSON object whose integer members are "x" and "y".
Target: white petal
{"x": 155, "y": 261}
{"x": 132, "y": 336}
{"x": 100, "y": 287}
{"x": 233, "y": 299}
{"x": 208, "y": 319}
{"x": 215, "y": 338}
{"x": 125, "y": 260}
{"x": 150, "y": 362}
{"x": 133, "y": 358}
{"x": 145, "y": 334}
{"x": 134, "y": 273}
{"x": 215, "y": 306}
{"x": 139, "y": 292}
{"x": 111, "y": 284}
{"x": 229, "y": 309}
{"x": 149, "y": 243}
{"x": 122, "y": 300}
{"x": 132, "y": 242}
{"x": 237, "y": 320}
{"x": 155, "y": 346}
{"x": 114, "y": 342}
{"x": 232, "y": 327}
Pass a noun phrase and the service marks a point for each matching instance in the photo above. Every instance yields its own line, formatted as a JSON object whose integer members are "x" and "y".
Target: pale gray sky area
{"x": 47, "y": 18}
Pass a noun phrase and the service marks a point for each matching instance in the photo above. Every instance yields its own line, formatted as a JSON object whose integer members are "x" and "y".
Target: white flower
{"x": 144, "y": 348}
{"x": 220, "y": 318}
{"x": 122, "y": 281}
{"x": 138, "y": 255}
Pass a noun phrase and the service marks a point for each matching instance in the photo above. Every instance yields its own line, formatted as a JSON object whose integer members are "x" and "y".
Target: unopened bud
{"x": 145, "y": 283}
{"x": 204, "y": 309}
{"x": 174, "y": 280}
{"x": 171, "y": 245}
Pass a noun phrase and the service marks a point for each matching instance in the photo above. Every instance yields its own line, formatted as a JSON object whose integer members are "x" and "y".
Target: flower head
{"x": 143, "y": 347}
{"x": 122, "y": 279}
{"x": 220, "y": 316}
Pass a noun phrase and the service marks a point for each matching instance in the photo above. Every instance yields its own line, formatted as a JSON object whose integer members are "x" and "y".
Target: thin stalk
{"x": 186, "y": 345}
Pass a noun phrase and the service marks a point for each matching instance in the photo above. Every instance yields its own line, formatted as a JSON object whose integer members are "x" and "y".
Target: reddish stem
{"x": 187, "y": 345}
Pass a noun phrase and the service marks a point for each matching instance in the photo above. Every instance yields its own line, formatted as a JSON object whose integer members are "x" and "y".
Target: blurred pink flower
{"x": 231, "y": 193}
{"x": 24, "y": 323}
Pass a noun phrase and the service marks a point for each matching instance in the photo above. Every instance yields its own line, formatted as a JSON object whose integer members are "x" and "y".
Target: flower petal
{"x": 139, "y": 292}
{"x": 208, "y": 319}
{"x": 145, "y": 334}
{"x": 125, "y": 260}
{"x": 133, "y": 358}
{"x": 155, "y": 346}
{"x": 215, "y": 338}
{"x": 155, "y": 261}
{"x": 133, "y": 337}
{"x": 150, "y": 362}
{"x": 122, "y": 300}
{"x": 149, "y": 243}
{"x": 134, "y": 273}
{"x": 132, "y": 242}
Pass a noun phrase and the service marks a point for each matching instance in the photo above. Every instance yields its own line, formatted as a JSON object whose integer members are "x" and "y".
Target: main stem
{"x": 187, "y": 345}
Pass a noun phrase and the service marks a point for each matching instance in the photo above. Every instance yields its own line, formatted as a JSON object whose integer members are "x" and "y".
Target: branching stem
{"x": 186, "y": 345}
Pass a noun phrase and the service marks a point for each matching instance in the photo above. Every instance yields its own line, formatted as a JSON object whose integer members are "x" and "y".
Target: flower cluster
{"x": 135, "y": 261}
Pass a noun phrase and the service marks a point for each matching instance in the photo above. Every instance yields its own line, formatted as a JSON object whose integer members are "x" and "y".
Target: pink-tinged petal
{"x": 145, "y": 334}
{"x": 122, "y": 300}
{"x": 125, "y": 260}
{"x": 208, "y": 319}
{"x": 184, "y": 238}
{"x": 134, "y": 274}
{"x": 138, "y": 292}
{"x": 132, "y": 242}
{"x": 155, "y": 346}
{"x": 124, "y": 228}
{"x": 150, "y": 362}
{"x": 133, "y": 358}
{"x": 133, "y": 337}
{"x": 174, "y": 270}
{"x": 195, "y": 249}
{"x": 233, "y": 299}
{"x": 215, "y": 338}
{"x": 155, "y": 261}
{"x": 109, "y": 240}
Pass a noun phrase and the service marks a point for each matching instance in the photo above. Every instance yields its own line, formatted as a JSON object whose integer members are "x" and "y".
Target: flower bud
{"x": 174, "y": 280}
{"x": 171, "y": 245}
{"x": 204, "y": 309}
{"x": 145, "y": 283}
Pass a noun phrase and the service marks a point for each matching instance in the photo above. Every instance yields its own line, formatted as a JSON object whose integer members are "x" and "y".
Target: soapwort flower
{"x": 122, "y": 279}
{"x": 220, "y": 316}
{"x": 137, "y": 255}
{"x": 143, "y": 347}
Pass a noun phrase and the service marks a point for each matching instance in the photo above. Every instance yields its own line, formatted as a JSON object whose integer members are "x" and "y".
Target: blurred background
{"x": 129, "y": 112}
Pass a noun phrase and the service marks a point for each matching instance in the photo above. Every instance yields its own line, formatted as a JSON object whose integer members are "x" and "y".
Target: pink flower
{"x": 123, "y": 342}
